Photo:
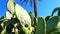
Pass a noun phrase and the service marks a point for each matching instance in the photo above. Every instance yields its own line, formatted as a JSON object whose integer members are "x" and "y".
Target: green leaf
{"x": 51, "y": 31}
{"x": 1, "y": 19}
{"x": 51, "y": 23}
{"x": 40, "y": 29}
{"x": 25, "y": 30}
{"x": 14, "y": 20}
{"x": 55, "y": 33}
{"x": 4, "y": 32}
{"x": 1, "y": 28}
{"x": 35, "y": 21}
{"x": 7, "y": 23}
{"x": 31, "y": 15}
{"x": 46, "y": 18}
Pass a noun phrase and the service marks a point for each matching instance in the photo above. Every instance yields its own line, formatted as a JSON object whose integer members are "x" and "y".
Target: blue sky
{"x": 44, "y": 8}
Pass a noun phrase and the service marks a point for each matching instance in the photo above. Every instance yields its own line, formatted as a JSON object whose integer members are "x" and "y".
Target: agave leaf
{"x": 51, "y": 23}
{"x": 40, "y": 29}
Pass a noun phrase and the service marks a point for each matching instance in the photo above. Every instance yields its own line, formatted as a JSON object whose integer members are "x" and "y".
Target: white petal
{"x": 22, "y": 14}
{"x": 10, "y": 6}
{"x": 8, "y": 15}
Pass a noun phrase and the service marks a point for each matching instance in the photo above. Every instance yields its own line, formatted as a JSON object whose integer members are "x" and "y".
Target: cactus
{"x": 40, "y": 29}
{"x": 55, "y": 33}
{"x": 51, "y": 23}
{"x": 47, "y": 18}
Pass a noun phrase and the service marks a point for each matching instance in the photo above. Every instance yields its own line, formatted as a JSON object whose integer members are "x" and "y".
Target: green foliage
{"x": 51, "y": 23}
{"x": 55, "y": 33}
{"x": 1, "y": 28}
{"x": 18, "y": 21}
{"x": 32, "y": 18}
{"x": 47, "y": 18}
{"x": 40, "y": 29}
{"x": 31, "y": 15}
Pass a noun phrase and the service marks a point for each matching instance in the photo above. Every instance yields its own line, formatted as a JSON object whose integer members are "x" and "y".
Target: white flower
{"x": 10, "y": 6}
{"x": 22, "y": 15}
{"x": 8, "y": 15}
